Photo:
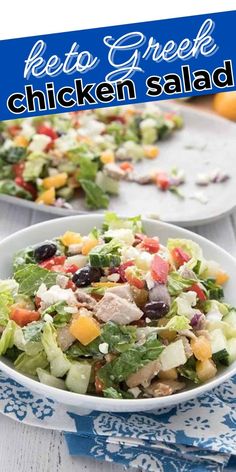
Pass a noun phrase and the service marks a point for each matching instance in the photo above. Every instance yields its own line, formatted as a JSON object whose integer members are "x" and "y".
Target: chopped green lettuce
{"x": 59, "y": 364}
{"x": 7, "y": 338}
{"x": 112, "y": 221}
{"x": 95, "y": 197}
{"x": 29, "y": 364}
{"x": 188, "y": 246}
{"x": 130, "y": 361}
{"x": 31, "y": 276}
{"x": 177, "y": 284}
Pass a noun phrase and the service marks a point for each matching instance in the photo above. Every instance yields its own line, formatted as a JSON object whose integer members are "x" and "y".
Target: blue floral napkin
{"x": 196, "y": 436}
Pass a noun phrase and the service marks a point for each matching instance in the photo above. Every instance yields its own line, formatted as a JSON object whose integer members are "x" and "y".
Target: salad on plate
{"x": 52, "y": 159}
{"x": 116, "y": 313}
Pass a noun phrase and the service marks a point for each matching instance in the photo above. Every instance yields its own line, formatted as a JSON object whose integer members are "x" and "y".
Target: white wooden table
{"x": 26, "y": 449}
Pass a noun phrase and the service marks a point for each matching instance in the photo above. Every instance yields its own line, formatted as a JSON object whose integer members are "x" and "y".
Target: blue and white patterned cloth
{"x": 196, "y": 436}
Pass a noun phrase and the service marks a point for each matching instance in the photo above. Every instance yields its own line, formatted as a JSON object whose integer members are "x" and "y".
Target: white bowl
{"x": 83, "y": 224}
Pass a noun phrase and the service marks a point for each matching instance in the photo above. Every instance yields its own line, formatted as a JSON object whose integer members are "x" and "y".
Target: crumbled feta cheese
{"x": 67, "y": 141}
{"x": 202, "y": 179}
{"x": 71, "y": 309}
{"x": 75, "y": 248}
{"x": 55, "y": 294}
{"x": 148, "y": 320}
{"x": 103, "y": 348}
{"x": 200, "y": 196}
{"x": 48, "y": 318}
{"x": 39, "y": 142}
{"x": 129, "y": 253}
{"x": 78, "y": 259}
{"x": 149, "y": 280}
{"x": 135, "y": 391}
{"x": 62, "y": 280}
{"x": 113, "y": 277}
{"x": 125, "y": 235}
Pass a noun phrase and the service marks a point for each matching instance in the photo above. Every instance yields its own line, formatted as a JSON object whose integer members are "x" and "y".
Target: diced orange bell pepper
{"x": 201, "y": 348}
{"x": 107, "y": 157}
{"x": 55, "y": 181}
{"x": 85, "y": 329}
{"x": 48, "y": 197}
{"x": 151, "y": 152}
{"x": 221, "y": 277}
{"x": 69, "y": 237}
{"x": 89, "y": 245}
{"x": 21, "y": 141}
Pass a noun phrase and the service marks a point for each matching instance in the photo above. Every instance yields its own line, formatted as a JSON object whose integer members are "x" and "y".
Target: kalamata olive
{"x": 45, "y": 251}
{"x": 155, "y": 310}
{"x": 86, "y": 276}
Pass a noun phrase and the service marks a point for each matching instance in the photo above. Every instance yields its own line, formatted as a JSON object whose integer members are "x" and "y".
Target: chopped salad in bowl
{"x": 52, "y": 159}
{"x": 115, "y": 313}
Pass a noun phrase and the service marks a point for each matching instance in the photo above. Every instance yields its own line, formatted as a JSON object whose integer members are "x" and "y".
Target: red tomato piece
{"x": 198, "y": 290}
{"x": 26, "y": 186}
{"x": 14, "y": 130}
{"x": 150, "y": 244}
{"x": 71, "y": 269}
{"x": 71, "y": 285}
{"x": 22, "y": 317}
{"x": 159, "y": 269}
{"x": 179, "y": 256}
{"x": 50, "y": 132}
{"x": 49, "y": 263}
{"x": 162, "y": 181}
{"x": 18, "y": 169}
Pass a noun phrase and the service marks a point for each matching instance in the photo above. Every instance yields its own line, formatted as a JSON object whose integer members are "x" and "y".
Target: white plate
{"x": 206, "y": 142}
{"x": 84, "y": 224}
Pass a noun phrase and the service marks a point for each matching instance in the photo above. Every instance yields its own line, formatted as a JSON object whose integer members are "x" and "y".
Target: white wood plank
{"x": 27, "y": 449}
{"x": 222, "y": 233}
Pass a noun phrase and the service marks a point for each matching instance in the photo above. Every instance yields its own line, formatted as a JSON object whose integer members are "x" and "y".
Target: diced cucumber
{"x": 78, "y": 377}
{"x": 46, "y": 378}
{"x": 218, "y": 341}
{"x": 228, "y": 330}
{"x": 173, "y": 355}
{"x": 107, "y": 184}
{"x": 231, "y": 348}
{"x": 221, "y": 357}
{"x": 230, "y": 319}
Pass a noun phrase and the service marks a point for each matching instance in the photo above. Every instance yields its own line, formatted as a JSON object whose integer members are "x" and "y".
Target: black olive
{"x": 86, "y": 276}
{"x": 155, "y": 310}
{"x": 45, "y": 251}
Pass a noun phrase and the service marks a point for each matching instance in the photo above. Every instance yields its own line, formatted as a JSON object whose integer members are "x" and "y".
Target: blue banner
{"x": 117, "y": 65}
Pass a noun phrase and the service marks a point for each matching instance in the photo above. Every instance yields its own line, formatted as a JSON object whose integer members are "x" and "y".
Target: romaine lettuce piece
{"x": 31, "y": 276}
{"x": 78, "y": 377}
{"x": 48, "y": 379}
{"x": 29, "y": 364}
{"x": 59, "y": 364}
{"x": 191, "y": 248}
{"x": 7, "y": 338}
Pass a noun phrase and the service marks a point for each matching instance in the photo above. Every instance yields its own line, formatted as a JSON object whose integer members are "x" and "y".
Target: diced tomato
{"x": 71, "y": 285}
{"x": 126, "y": 166}
{"x": 26, "y": 186}
{"x": 22, "y": 317}
{"x": 71, "y": 269}
{"x": 198, "y": 290}
{"x": 162, "y": 181}
{"x": 133, "y": 279}
{"x": 150, "y": 244}
{"x": 49, "y": 263}
{"x": 14, "y": 130}
{"x": 179, "y": 256}
{"x": 18, "y": 169}
{"x": 159, "y": 269}
{"x": 50, "y": 132}
{"x": 121, "y": 119}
